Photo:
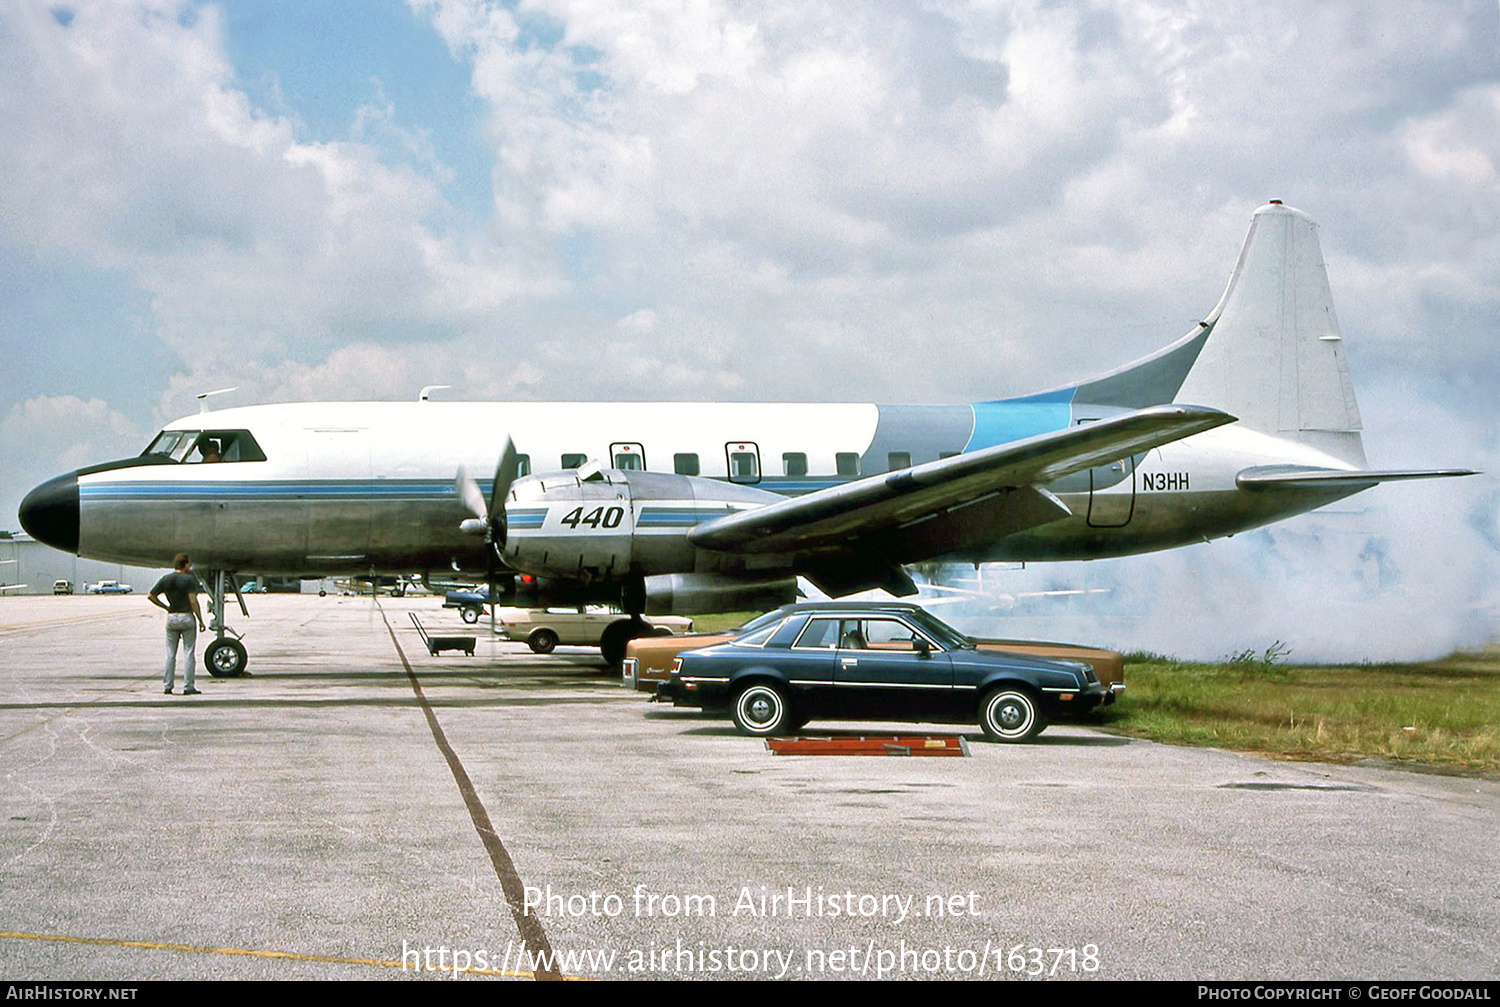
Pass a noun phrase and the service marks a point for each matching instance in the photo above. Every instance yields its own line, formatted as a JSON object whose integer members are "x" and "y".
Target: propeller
{"x": 490, "y": 519}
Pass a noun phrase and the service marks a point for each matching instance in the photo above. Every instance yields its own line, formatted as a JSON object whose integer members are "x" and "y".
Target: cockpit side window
{"x": 206, "y": 446}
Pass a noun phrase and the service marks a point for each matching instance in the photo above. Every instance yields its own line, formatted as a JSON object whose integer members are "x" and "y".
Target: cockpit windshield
{"x": 172, "y": 443}
{"x": 206, "y": 446}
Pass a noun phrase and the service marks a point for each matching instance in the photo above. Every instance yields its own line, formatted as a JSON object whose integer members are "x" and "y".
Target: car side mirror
{"x": 924, "y": 649}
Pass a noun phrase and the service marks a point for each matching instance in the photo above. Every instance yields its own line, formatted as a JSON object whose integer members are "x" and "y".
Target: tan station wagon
{"x": 544, "y": 629}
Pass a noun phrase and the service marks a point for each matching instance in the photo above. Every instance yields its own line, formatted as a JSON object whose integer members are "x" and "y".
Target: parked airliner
{"x": 700, "y": 507}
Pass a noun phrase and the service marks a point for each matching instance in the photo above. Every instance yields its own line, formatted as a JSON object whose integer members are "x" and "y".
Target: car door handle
{"x": 847, "y": 661}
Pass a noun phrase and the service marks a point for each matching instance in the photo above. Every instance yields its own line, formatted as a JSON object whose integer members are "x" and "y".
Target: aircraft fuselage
{"x": 356, "y": 487}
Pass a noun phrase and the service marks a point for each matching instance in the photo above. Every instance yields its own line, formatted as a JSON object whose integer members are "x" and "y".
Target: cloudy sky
{"x": 559, "y": 199}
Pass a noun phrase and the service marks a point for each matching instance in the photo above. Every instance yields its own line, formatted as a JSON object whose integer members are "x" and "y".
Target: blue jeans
{"x": 180, "y": 626}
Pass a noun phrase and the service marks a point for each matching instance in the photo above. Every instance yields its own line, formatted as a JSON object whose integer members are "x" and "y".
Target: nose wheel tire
{"x": 225, "y": 658}
{"x": 1010, "y": 715}
{"x": 761, "y": 710}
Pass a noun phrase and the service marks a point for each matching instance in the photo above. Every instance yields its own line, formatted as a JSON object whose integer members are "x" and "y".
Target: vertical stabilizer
{"x": 1274, "y": 355}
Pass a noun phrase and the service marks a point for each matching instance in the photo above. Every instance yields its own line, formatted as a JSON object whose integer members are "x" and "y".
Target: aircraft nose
{"x": 50, "y": 513}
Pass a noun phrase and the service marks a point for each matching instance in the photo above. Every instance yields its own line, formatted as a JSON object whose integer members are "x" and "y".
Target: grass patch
{"x": 720, "y": 621}
{"x": 1442, "y": 713}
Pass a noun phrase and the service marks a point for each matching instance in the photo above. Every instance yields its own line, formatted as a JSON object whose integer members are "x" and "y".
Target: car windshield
{"x": 946, "y": 635}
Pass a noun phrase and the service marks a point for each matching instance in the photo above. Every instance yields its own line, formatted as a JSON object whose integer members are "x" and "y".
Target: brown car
{"x": 648, "y": 660}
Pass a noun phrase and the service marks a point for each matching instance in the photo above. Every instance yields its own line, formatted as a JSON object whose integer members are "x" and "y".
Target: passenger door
{"x": 627, "y": 455}
{"x": 881, "y": 666}
{"x": 743, "y": 458}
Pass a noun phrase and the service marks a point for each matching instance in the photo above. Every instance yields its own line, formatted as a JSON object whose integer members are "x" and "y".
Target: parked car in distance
{"x": 470, "y": 602}
{"x": 62, "y": 587}
{"x": 648, "y": 660}
{"x": 876, "y": 662}
{"x": 110, "y": 587}
{"x": 545, "y": 629}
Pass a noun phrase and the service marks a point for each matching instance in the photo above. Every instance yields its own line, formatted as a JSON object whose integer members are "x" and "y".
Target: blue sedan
{"x": 853, "y": 662}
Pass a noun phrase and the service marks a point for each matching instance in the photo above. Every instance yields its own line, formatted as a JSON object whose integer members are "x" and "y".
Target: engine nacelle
{"x": 702, "y": 593}
{"x": 601, "y": 525}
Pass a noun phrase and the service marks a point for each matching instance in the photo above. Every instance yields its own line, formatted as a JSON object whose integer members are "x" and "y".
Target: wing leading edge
{"x": 928, "y": 510}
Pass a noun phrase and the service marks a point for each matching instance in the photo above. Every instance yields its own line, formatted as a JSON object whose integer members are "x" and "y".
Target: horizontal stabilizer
{"x": 1007, "y": 473}
{"x": 1269, "y": 477}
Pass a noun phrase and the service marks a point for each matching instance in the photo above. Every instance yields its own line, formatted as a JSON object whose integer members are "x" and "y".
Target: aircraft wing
{"x": 943, "y": 506}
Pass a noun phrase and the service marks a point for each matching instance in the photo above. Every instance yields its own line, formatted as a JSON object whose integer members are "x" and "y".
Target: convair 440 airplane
{"x": 699, "y": 507}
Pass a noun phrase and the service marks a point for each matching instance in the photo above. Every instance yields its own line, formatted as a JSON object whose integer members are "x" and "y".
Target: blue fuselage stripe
{"x": 663, "y": 517}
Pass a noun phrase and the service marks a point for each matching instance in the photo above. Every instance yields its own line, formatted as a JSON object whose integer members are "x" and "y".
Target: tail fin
{"x": 1274, "y": 355}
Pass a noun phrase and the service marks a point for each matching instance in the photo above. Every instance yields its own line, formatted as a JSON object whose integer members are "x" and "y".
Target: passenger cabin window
{"x": 196, "y": 447}
{"x": 685, "y": 464}
{"x": 628, "y": 461}
{"x": 847, "y": 463}
{"x": 895, "y": 461}
{"x": 574, "y": 461}
{"x": 523, "y": 465}
{"x": 794, "y": 463}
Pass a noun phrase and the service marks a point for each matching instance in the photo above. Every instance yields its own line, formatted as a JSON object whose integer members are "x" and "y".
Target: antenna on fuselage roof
{"x": 428, "y": 390}
{"x": 203, "y": 397}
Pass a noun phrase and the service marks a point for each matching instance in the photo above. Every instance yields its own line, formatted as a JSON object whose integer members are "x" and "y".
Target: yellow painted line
{"x": 254, "y": 953}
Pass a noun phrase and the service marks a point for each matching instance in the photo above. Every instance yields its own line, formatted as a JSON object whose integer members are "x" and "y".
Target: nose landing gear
{"x": 226, "y": 656}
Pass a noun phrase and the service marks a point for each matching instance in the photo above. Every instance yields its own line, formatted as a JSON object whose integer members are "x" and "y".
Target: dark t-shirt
{"x": 179, "y": 589}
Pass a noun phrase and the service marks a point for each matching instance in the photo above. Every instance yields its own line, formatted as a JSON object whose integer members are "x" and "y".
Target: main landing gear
{"x": 226, "y": 656}
{"x": 617, "y": 635}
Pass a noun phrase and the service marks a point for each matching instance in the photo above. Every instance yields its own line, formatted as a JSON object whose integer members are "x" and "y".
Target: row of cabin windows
{"x": 743, "y": 465}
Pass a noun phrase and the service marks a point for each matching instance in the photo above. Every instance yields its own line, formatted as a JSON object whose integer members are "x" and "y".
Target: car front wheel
{"x": 1010, "y": 714}
{"x": 761, "y": 710}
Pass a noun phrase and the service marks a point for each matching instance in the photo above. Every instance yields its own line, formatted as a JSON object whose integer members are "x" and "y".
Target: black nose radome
{"x": 50, "y": 513}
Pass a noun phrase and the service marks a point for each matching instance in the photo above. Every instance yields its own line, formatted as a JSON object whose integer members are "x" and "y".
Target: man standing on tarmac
{"x": 182, "y": 589}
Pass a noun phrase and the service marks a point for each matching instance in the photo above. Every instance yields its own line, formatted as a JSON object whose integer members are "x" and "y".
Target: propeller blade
{"x": 469, "y": 493}
{"x": 505, "y": 474}
{"x": 506, "y": 471}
